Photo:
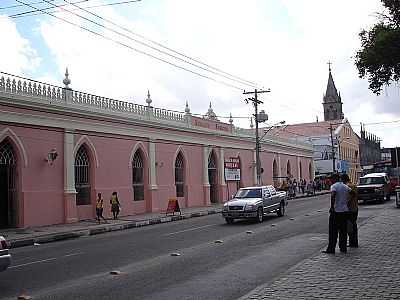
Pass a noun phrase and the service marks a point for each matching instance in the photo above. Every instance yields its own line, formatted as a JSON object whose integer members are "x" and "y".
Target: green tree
{"x": 378, "y": 60}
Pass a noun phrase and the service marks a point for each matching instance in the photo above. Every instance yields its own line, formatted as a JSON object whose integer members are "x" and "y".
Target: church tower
{"x": 332, "y": 101}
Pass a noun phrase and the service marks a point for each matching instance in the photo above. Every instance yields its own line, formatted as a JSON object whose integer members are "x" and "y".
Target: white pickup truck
{"x": 254, "y": 202}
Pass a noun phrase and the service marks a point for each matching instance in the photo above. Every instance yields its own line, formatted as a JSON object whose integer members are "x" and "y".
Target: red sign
{"x": 173, "y": 206}
{"x": 232, "y": 163}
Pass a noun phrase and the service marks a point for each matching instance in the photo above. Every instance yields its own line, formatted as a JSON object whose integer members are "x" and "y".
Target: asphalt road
{"x": 216, "y": 261}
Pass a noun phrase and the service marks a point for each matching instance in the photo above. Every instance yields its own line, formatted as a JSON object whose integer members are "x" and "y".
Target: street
{"x": 216, "y": 261}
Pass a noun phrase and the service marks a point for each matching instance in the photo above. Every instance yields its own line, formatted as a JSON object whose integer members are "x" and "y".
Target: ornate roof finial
{"x": 148, "y": 100}
{"x": 251, "y": 123}
{"x": 230, "y": 118}
{"x": 211, "y": 114}
{"x": 66, "y": 80}
{"x": 187, "y": 109}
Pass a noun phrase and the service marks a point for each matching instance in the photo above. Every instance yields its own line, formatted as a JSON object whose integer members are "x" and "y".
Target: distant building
{"x": 386, "y": 153}
{"x": 335, "y": 144}
{"x": 370, "y": 148}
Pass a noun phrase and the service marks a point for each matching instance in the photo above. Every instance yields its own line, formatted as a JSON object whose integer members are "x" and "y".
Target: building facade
{"x": 370, "y": 148}
{"x": 59, "y": 148}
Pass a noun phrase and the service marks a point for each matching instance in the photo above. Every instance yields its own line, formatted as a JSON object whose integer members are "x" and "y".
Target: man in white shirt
{"x": 338, "y": 215}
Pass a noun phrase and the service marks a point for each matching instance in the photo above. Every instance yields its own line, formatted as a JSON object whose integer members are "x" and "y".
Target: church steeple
{"x": 332, "y": 101}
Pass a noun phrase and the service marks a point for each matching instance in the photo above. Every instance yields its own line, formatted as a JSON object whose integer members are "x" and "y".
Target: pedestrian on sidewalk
{"x": 338, "y": 215}
{"x": 353, "y": 212}
{"x": 115, "y": 205}
{"x": 99, "y": 208}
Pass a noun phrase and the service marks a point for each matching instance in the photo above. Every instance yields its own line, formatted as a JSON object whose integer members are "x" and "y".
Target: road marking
{"x": 44, "y": 260}
{"x": 33, "y": 262}
{"x": 73, "y": 254}
{"x": 190, "y": 229}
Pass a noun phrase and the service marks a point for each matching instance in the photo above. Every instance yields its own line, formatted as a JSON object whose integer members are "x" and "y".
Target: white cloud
{"x": 16, "y": 53}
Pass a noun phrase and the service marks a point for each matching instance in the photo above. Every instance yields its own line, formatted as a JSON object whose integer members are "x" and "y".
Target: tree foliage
{"x": 379, "y": 56}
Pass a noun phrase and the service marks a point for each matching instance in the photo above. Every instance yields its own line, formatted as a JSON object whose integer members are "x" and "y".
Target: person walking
{"x": 99, "y": 208}
{"x": 114, "y": 205}
{"x": 353, "y": 212}
{"x": 338, "y": 214}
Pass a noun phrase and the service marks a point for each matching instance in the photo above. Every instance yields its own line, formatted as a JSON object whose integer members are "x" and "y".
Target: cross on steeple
{"x": 329, "y": 64}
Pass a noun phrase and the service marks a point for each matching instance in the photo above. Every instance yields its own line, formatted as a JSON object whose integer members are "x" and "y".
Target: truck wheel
{"x": 260, "y": 215}
{"x": 229, "y": 220}
{"x": 281, "y": 210}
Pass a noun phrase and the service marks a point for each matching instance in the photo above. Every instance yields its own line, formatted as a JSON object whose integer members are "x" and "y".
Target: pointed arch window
{"x": 138, "y": 177}
{"x": 275, "y": 173}
{"x": 288, "y": 169}
{"x": 179, "y": 175}
{"x": 7, "y": 156}
{"x": 82, "y": 176}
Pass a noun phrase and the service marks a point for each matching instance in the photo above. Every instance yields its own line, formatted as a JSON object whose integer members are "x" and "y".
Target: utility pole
{"x": 256, "y": 102}
{"x": 333, "y": 150}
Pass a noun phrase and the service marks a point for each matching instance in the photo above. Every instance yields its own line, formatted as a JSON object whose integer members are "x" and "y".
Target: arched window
{"x": 275, "y": 173}
{"x": 138, "y": 177}
{"x": 179, "y": 175}
{"x": 288, "y": 169}
{"x": 8, "y": 164}
{"x": 82, "y": 176}
{"x": 212, "y": 177}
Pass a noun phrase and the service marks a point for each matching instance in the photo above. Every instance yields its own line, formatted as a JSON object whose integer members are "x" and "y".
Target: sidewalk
{"x": 368, "y": 272}
{"x": 20, "y": 237}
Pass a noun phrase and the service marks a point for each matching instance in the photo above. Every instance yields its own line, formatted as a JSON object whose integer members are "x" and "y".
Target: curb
{"x": 54, "y": 237}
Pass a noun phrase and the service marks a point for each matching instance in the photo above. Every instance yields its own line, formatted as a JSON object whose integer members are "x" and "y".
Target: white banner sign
{"x": 232, "y": 174}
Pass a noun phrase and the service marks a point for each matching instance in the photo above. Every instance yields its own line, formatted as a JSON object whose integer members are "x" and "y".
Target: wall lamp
{"x": 51, "y": 156}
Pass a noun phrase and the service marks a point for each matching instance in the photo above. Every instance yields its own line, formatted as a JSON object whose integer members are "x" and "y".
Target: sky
{"x": 281, "y": 45}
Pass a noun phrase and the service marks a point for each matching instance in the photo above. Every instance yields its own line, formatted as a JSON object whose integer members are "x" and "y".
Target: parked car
{"x": 254, "y": 203}
{"x": 374, "y": 186}
{"x": 5, "y": 256}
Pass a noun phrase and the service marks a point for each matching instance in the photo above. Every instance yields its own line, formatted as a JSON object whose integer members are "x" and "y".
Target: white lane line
{"x": 73, "y": 254}
{"x": 44, "y": 260}
{"x": 190, "y": 229}
{"x": 33, "y": 262}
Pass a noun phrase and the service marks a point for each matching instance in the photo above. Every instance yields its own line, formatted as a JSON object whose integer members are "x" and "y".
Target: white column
{"x": 205, "y": 166}
{"x": 69, "y": 170}
{"x": 222, "y": 166}
{"x": 152, "y": 166}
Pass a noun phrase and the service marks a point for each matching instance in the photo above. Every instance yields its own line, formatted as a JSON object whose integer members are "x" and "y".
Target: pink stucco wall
{"x": 41, "y": 197}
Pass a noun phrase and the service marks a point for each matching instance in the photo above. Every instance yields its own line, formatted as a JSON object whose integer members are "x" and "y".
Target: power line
{"x": 245, "y": 82}
{"x": 35, "y": 13}
{"x": 145, "y": 38}
{"x": 134, "y": 49}
{"x": 207, "y": 67}
{"x": 21, "y": 5}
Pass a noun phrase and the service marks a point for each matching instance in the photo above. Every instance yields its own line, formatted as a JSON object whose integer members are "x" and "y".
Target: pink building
{"x": 60, "y": 147}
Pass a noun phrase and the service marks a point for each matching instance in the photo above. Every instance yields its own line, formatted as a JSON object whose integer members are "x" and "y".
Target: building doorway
{"x": 213, "y": 177}
{"x": 8, "y": 167}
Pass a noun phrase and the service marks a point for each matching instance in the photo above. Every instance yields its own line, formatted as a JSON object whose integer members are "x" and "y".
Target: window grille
{"x": 82, "y": 176}
{"x": 137, "y": 177}
{"x": 179, "y": 175}
{"x": 7, "y": 156}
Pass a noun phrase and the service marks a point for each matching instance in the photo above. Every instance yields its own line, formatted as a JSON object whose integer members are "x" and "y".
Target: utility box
{"x": 397, "y": 190}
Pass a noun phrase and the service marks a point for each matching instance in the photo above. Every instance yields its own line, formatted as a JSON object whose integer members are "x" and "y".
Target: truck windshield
{"x": 248, "y": 193}
{"x": 372, "y": 180}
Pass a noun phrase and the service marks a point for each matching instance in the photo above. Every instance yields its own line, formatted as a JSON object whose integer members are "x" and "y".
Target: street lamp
{"x": 272, "y": 127}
